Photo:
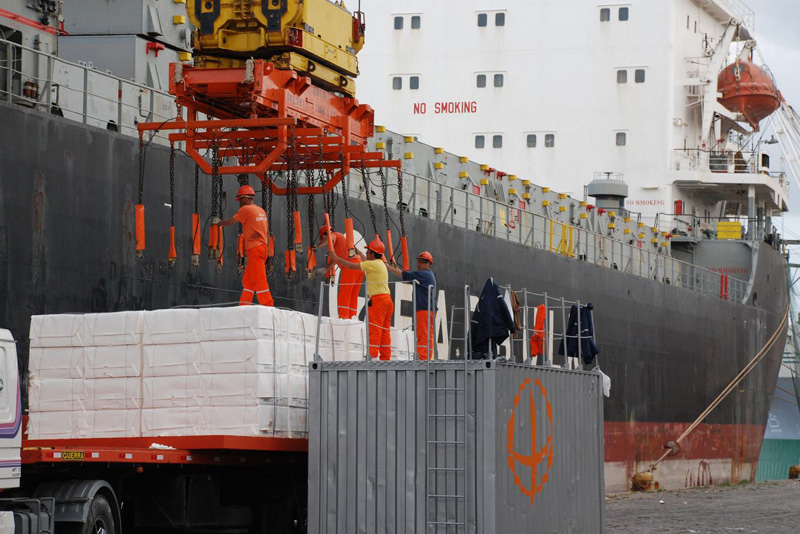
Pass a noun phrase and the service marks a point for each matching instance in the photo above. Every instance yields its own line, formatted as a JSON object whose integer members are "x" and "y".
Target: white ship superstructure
{"x": 555, "y": 91}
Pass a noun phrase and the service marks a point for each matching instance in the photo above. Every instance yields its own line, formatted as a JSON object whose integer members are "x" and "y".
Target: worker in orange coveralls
{"x": 380, "y": 300}
{"x": 256, "y": 239}
{"x": 350, "y": 280}
{"x": 425, "y": 312}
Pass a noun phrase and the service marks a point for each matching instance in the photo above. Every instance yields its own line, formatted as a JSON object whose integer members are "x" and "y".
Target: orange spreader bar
{"x": 267, "y": 118}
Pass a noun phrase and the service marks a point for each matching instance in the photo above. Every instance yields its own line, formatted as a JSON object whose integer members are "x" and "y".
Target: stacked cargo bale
{"x": 183, "y": 372}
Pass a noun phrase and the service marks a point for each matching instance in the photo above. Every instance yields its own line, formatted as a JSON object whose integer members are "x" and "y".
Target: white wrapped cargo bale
{"x": 114, "y": 394}
{"x": 58, "y": 394}
{"x": 242, "y": 356}
{"x": 111, "y": 329}
{"x": 283, "y": 421}
{"x": 65, "y": 424}
{"x": 57, "y": 362}
{"x": 164, "y": 327}
{"x": 173, "y": 422}
{"x": 175, "y": 359}
{"x": 64, "y": 330}
{"x": 118, "y": 361}
{"x": 115, "y": 423}
{"x": 231, "y": 420}
{"x": 174, "y": 392}
{"x": 284, "y": 389}
{"x": 242, "y": 323}
{"x": 231, "y": 390}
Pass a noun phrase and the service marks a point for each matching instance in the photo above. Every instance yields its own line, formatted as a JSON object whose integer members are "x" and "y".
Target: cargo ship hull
{"x": 67, "y": 245}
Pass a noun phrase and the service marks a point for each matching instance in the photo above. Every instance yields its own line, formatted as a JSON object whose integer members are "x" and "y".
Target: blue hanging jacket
{"x": 588, "y": 346}
{"x": 491, "y": 322}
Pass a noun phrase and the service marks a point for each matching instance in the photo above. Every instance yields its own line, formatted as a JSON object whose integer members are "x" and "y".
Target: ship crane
{"x": 271, "y": 94}
{"x": 787, "y": 129}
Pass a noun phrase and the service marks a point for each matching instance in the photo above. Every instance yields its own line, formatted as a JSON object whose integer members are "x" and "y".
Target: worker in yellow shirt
{"x": 380, "y": 303}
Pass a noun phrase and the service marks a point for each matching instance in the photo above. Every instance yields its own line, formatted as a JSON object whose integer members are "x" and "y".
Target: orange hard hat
{"x": 244, "y": 191}
{"x": 324, "y": 228}
{"x": 376, "y": 246}
{"x": 426, "y": 256}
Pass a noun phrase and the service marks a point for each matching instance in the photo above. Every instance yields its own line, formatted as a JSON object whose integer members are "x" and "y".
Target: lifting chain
{"x": 400, "y": 205}
{"x": 196, "y": 219}
{"x": 385, "y": 191}
{"x": 172, "y": 254}
{"x": 291, "y": 193}
{"x": 196, "y": 188}
{"x": 365, "y": 178}
{"x": 172, "y": 184}
{"x": 241, "y": 256}
{"x": 266, "y": 203}
{"x": 215, "y": 189}
{"x": 139, "y": 217}
{"x": 141, "y": 168}
{"x": 344, "y": 190}
{"x": 311, "y": 210}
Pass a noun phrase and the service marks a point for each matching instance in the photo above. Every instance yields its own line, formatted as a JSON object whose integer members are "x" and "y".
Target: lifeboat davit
{"x": 748, "y": 90}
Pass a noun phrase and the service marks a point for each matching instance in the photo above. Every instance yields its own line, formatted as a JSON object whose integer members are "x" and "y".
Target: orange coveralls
{"x": 350, "y": 280}
{"x": 256, "y": 239}
{"x": 380, "y": 310}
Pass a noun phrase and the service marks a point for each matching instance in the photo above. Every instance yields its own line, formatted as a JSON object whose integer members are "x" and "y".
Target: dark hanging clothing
{"x": 588, "y": 347}
{"x": 491, "y": 322}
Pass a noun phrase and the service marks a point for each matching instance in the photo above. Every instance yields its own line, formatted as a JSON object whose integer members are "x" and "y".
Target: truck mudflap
{"x": 74, "y": 498}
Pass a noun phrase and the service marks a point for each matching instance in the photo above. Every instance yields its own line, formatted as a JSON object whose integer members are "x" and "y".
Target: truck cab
{"x": 10, "y": 413}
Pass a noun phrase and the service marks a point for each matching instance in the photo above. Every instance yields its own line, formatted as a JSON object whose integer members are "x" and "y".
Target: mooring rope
{"x": 735, "y": 382}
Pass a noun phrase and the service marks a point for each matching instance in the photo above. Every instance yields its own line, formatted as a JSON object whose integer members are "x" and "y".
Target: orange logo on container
{"x": 536, "y": 456}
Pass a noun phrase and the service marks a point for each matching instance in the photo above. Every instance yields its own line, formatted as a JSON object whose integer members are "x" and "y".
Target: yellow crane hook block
{"x": 317, "y": 38}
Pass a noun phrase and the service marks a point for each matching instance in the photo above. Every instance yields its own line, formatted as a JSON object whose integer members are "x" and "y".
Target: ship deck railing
{"x": 81, "y": 93}
{"x": 501, "y": 220}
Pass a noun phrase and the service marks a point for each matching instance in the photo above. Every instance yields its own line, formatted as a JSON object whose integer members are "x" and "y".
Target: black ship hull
{"x": 68, "y": 192}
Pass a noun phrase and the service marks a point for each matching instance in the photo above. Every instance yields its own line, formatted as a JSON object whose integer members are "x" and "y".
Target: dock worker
{"x": 256, "y": 238}
{"x": 425, "y": 311}
{"x": 350, "y": 279}
{"x": 380, "y": 302}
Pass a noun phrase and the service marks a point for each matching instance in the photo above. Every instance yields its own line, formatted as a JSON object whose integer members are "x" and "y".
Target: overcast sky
{"x": 778, "y": 35}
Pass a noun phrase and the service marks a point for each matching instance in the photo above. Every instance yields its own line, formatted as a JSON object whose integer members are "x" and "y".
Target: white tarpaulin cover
{"x": 183, "y": 372}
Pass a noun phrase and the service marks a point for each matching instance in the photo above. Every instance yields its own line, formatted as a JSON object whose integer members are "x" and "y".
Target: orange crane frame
{"x": 270, "y": 120}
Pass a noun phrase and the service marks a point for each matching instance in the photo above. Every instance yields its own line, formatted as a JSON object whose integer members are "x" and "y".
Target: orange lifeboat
{"x": 748, "y": 90}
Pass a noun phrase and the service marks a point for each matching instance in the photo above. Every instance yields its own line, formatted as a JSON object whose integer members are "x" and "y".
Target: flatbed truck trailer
{"x": 187, "y": 484}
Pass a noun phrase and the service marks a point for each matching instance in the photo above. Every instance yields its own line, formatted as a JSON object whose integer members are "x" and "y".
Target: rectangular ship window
{"x": 398, "y": 23}
{"x": 482, "y": 19}
{"x": 639, "y": 76}
{"x": 480, "y": 141}
{"x": 480, "y": 80}
{"x": 531, "y": 141}
{"x": 416, "y": 22}
{"x": 413, "y": 82}
{"x": 497, "y": 141}
{"x": 397, "y": 83}
{"x": 622, "y": 76}
{"x": 550, "y": 140}
{"x": 605, "y": 14}
{"x": 622, "y": 138}
{"x": 498, "y": 80}
{"x": 624, "y": 13}
{"x": 500, "y": 19}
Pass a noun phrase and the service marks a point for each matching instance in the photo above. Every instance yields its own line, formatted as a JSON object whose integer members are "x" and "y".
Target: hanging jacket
{"x": 588, "y": 347}
{"x": 491, "y": 322}
{"x": 516, "y": 307}
{"x": 539, "y": 337}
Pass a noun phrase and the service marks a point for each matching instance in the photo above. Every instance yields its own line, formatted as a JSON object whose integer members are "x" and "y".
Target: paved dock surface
{"x": 768, "y": 507}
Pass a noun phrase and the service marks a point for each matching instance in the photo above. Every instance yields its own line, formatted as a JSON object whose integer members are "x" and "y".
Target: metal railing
{"x": 638, "y": 256}
{"x": 45, "y": 82}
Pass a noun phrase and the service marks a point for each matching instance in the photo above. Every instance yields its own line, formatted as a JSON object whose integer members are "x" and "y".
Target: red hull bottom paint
{"x": 711, "y": 454}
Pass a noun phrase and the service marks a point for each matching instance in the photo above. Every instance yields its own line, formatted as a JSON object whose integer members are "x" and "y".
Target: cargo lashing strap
{"x": 139, "y": 213}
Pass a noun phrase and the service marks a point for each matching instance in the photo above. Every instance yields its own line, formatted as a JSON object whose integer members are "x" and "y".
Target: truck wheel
{"x": 100, "y": 520}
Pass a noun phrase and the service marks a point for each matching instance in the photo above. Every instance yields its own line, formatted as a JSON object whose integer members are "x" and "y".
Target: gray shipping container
{"x": 501, "y": 448}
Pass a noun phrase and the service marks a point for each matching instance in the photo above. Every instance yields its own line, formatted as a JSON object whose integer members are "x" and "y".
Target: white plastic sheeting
{"x": 183, "y": 372}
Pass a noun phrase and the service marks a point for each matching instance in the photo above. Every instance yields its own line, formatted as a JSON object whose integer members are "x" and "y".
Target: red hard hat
{"x": 324, "y": 228}
{"x": 376, "y": 246}
{"x": 426, "y": 256}
{"x": 245, "y": 190}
